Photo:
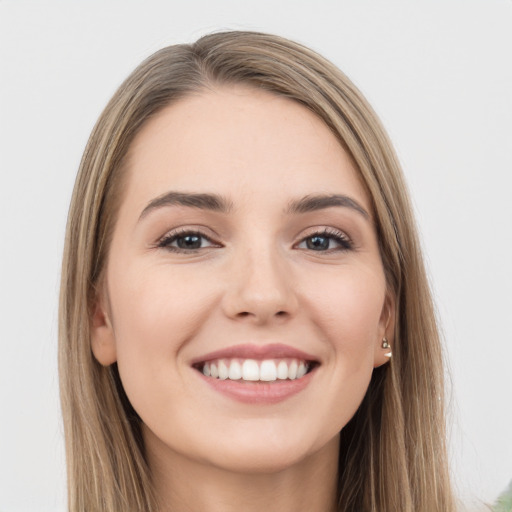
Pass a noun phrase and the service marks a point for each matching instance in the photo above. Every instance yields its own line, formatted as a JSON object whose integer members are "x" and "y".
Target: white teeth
{"x": 223, "y": 370}
{"x": 268, "y": 371}
{"x": 250, "y": 370}
{"x": 282, "y": 370}
{"x": 292, "y": 370}
{"x": 235, "y": 370}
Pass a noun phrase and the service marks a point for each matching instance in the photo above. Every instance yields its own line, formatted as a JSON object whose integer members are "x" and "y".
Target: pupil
{"x": 189, "y": 242}
{"x": 318, "y": 243}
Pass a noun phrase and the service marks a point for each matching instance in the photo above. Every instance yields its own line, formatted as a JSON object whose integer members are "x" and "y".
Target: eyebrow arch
{"x": 312, "y": 203}
{"x": 212, "y": 202}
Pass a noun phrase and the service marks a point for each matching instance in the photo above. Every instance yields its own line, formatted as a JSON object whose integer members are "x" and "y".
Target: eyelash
{"x": 166, "y": 241}
{"x": 343, "y": 241}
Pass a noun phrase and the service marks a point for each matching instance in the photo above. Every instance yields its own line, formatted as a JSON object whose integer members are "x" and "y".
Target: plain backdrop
{"x": 439, "y": 73}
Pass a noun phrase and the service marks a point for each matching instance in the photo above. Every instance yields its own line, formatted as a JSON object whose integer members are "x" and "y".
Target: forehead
{"x": 240, "y": 141}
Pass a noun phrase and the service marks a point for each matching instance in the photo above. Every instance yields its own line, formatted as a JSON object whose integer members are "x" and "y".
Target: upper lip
{"x": 249, "y": 351}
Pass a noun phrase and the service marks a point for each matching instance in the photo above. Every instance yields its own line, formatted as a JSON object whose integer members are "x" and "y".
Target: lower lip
{"x": 259, "y": 392}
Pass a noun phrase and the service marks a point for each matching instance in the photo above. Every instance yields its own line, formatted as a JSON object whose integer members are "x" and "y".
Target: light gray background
{"x": 438, "y": 73}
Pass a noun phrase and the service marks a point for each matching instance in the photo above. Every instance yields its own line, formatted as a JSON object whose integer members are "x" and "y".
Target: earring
{"x": 385, "y": 344}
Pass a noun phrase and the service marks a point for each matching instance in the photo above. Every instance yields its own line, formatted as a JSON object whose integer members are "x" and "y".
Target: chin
{"x": 259, "y": 461}
{"x": 266, "y": 452}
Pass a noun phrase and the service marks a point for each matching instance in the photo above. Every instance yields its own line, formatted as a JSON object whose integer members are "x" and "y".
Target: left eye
{"x": 325, "y": 242}
{"x": 188, "y": 241}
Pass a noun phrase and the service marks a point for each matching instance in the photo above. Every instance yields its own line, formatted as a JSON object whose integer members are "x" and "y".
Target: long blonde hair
{"x": 393, "y": 453}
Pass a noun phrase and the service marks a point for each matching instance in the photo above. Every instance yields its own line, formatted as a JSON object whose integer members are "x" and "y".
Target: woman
{"x": 245, "y": 317}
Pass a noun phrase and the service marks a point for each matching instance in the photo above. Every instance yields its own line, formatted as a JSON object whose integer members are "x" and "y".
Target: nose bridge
{"x": 260, "y": 285}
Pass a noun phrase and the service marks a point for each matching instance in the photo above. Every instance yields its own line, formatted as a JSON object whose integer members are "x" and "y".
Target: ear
{"x": 103, "y": 343}
{"x": 386, "y": 330}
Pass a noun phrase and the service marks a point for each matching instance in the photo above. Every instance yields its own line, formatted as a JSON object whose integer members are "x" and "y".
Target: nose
{"x": 260, "y": 289}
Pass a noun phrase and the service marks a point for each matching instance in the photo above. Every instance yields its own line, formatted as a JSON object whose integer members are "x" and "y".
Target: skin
{"x": 254, "y": 280}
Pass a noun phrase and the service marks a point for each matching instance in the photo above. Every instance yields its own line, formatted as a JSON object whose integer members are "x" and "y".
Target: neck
{"x": 180, "y": 483}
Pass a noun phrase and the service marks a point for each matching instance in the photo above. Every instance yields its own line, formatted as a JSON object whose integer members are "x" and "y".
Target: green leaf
{"x": 504, "y": 502}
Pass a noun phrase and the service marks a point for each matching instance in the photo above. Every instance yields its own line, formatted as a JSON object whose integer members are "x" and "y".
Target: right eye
{"x": 186, "y": 241}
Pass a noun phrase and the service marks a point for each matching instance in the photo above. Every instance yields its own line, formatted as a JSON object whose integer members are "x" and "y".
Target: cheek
{"x": 155, "y": 314}
{"x": 346, "y": 306}
{"x": 156, "y": 308}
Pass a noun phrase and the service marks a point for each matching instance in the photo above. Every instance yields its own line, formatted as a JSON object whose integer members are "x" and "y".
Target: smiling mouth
{"x": 254, "y": 370}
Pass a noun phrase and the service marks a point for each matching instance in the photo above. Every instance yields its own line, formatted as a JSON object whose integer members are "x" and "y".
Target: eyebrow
{"x": 211, "y": 202}
{"x": 217, "y": 203}
{"x": 313, "y": 203}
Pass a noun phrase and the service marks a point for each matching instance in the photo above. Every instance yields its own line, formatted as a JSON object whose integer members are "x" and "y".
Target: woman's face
{"x": 244, "y": 246}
